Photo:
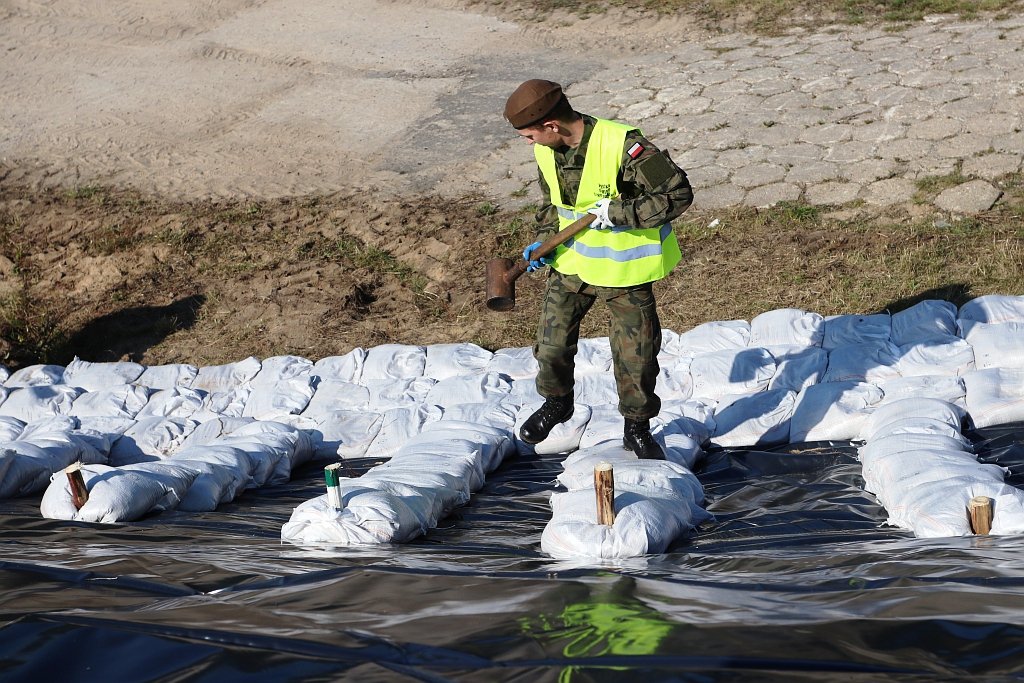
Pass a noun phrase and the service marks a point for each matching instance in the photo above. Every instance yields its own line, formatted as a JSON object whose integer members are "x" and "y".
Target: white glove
{"x": 601, "y": 211}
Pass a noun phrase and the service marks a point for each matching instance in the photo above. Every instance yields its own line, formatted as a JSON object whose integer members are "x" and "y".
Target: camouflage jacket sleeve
{"x": 547, "y": 215}
{"x": 653, "y": 190}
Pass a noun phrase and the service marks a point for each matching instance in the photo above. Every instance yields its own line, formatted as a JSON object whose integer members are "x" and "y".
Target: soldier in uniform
{"x": 634, "y": 190}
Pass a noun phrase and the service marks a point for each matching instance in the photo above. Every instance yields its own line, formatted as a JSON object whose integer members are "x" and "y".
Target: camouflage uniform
{"x": 653, "y": 191}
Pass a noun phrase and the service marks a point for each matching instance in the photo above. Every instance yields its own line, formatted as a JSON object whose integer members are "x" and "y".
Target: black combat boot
{"x": 554, "y": 411}
{"x": 637, "y": 437}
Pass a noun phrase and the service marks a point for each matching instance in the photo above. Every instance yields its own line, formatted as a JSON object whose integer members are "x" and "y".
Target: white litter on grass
{"x": 788, "y": 375}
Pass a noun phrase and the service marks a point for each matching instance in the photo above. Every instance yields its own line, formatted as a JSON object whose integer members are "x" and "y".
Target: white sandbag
{"x": 345, "y": 433}
{"x": 493, "y": 443}
{"x": 168, "y": 376}
{"x": 943, "y": 387}
{"x": 398, "y": 392}
{"x": 214, "y": 484}
{"x": 118, "y": 494}
{"x": 733, "y": 371}
{"x": 925, "y": 320}
{"x": 939, "y": 509}
{"x": 223, "y": 404}
{"x": 125, "y": 400}
{"x": 477, "y": 388}
{"x": 4, "y": 373}
{"x": 563, "y": 437}
{"x": 345, "y": 368}
{"x": 695, "y": 417}
{"x": 596, "y": 389}
{"x": 35, "y": 375}
{"x": 31, "y": 463}
{"x": 886, "y": 414}
{"x": 514, "y": 363}
{"x": 997, "y": 345}
{"x": 937, "y": 356}
{"x": 524, "y": 392}
{"x": 336, "y": 394}
{"x": 834, "y": 411}
{"x": 501, "y": 415}
{"x": 680, "y": 449}
{"x": 455, "y": 360}
{"x": 797, "y": 367}
{"x": 633, "y": 473}
{"x": 787, "y": 327}
{"x": 605, "y": 424}
{"x": 369, "y": 517}
{"x": 223, "y": 483}
{"x": 226, "y": 378}
{"x": 114, "y": 426}
{"x": 994, "y": 396}
{"x": 667, "y": 354}
{"x": 39, "y": 401}
{"x": 647, "y": 518}
{"x": 993, "y": 308}
{"x": 280, "y": 369}
{"x": 302, "y": 450}
{"x": 718, "y": 335}
{"x": 286, "y": 397}
{"x": 10, "y": 428}
{"x": 270, "y": 454}
{"x": 152, "y": 438}
{"x": 394, "y": 361}
{"x": 892, "y": 445}
{"x": 398, "y": 425}
{"x": 211, "y": 430}
{"x": 593, "y": 355}
{"x": 761, "y": 419}
{"x": 843, "y": 330}
{"x": 95, "y": 445}
{"x": 97, "y": 376}
{"x": 674, "y": 382}
{"x": 872, "y": 363}
{"x": 177, "y": 401}
{"x": 921, "y": 425}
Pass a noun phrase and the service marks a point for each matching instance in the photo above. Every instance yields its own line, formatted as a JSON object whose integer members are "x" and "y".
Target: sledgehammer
{"x": 502, "y": 273}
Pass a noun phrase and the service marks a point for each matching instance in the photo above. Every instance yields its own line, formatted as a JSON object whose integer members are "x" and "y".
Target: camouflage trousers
{"x": 634, "y": 334}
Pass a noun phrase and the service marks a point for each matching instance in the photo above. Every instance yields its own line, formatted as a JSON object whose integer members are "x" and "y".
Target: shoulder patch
{"x": 636, "y": 150}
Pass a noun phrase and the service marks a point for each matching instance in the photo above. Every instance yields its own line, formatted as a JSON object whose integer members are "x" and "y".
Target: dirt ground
{"x": 199, "y": 183}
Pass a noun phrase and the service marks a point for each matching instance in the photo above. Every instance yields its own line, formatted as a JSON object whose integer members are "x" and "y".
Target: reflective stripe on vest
{"x": 616, "y": 257}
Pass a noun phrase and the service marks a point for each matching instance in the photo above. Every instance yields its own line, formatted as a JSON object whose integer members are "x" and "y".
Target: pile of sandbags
{"x": 656, "y": 502}
{"x": 432, "y": 473}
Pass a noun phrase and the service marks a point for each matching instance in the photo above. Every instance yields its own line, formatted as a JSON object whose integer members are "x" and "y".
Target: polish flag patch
{"x": 636, "y": 150}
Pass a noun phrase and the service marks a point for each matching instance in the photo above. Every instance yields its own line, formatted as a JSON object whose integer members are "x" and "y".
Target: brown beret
{"x": 531, "y": 101}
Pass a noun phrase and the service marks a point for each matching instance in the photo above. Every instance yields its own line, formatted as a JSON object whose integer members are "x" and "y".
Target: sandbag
{"x": 394, "y": 361}
{"x": 945, "y": 387}
{"x": 787, "y": 327}
{"x": 563, "y": 438}
{"x": 500, "y": 415}
{"x": 152, "y": 438}
{"x": 993, "y": 308}
{"x": 997, "y": 345}
{"x": 938, "y": 356}
{"x": 734, "y": 371}
{"x": 178, "y": 401}
{"x": 118, "y": 494}
{"x": 222, "y": 379}
{"x": 843, "y": 330}
{"x": 924, "y": 321}
{"x": 398, "y": 425}
{"x": 885, "y": 415}
{"x": 761, "y": 419}
{"x": 281, "y": 369}
{"x": 270, "y": 400}
{"x": 872, "y": 363}
{"x": 124, "y": 401}
{"x": 834, "y": 411}
{"x": 461, "y": 389}
{"x": 674, "y": 382}
{"x": 344, "y": 433}
{"x": 718, "y": 335}
{"x": 994, "y": 396}
{"x": 98, "y": 376}
{"x": 39, "y": 401}
{"x": 455, "y": 360}
{"x": 10, "y": 428}
{"x": 345, "y": 368}
{"x": 593, "y": 355}
{"x": 514, "y": 363}
{"x": 223, "y": 404}
{"x": 397, "y": 392}
{"x": 596, "y": 389}
{"x": 170, "y": 376}
{"x": 35, "y": 375}
{"x": 797, "y": 367}
{"x": 336, "y": 394}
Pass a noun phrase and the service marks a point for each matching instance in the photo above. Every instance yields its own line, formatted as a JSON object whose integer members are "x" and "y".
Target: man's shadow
{"x": 128, "y": 333}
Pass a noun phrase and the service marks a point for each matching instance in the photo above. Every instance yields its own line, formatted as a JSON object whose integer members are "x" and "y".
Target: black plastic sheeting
{"x": 797, "y": 579}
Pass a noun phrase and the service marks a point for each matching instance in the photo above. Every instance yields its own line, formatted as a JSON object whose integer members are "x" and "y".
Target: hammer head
{"x": 501, "y": 290}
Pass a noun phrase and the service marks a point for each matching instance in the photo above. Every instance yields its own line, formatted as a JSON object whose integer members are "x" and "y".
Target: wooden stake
{"x": 333, "y": 490}
{"x": 79, "y": 494}
{"x": 980, "y": 511}
{"x": 604, "y": 486}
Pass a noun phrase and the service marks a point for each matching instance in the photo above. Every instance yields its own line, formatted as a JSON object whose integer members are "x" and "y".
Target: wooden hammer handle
{"x": 562, "y": 236}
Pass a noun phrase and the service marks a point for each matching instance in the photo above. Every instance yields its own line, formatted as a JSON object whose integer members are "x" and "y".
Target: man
{"x": 634, "y": 190}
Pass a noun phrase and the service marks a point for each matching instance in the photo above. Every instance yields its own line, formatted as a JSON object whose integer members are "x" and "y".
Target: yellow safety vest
{"x": 619, "y": 256}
